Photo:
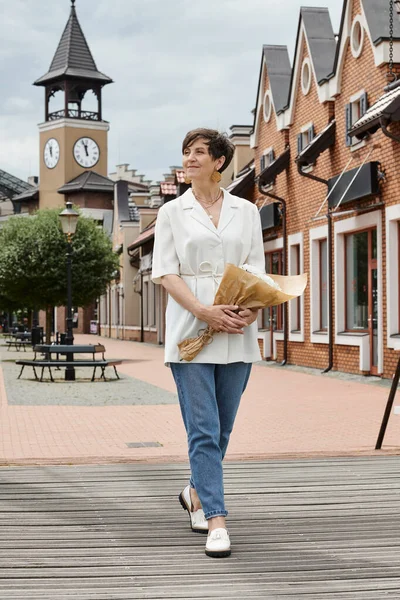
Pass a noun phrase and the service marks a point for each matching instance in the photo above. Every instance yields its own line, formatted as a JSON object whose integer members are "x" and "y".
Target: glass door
{"x": 362, "y": 289}
{"x": 373, "y": 303}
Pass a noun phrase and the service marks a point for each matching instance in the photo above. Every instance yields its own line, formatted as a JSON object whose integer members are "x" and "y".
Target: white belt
{"x": 206, "y": 270}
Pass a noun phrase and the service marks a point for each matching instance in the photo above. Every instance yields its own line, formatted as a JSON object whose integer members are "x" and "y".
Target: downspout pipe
{"x": 330, "y": 269}
{"x": 384, "y": 123}
{"x": 282, "y": 202}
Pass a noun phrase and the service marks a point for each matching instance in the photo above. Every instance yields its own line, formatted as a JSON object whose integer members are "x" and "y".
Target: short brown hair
{"x": 218, "y": 144}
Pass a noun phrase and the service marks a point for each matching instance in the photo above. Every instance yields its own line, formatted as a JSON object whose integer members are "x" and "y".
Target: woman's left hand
{"x": 248, "y": 314}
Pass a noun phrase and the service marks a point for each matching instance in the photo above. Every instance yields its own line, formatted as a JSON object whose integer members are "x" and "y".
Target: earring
{"x": 216, "y": 177}
{"x": 187, "y": 180}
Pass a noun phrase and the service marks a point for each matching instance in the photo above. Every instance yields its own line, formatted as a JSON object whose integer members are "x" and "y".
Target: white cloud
{"x": 176, "y": 64}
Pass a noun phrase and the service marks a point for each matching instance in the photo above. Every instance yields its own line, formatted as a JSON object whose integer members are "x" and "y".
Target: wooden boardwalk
{"x": 301, "y": 530}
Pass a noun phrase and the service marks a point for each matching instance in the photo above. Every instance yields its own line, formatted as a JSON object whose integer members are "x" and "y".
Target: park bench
{"x": 19, "y": 340}
{"x": 52, "y": 359}
{"x": 17, "y": 344}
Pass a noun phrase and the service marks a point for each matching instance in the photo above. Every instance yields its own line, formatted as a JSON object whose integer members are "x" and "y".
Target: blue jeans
{"x": 209, "y": 397}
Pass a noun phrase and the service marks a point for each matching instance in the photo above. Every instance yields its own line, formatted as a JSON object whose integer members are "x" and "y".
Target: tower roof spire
{"x": 73, "y": 58}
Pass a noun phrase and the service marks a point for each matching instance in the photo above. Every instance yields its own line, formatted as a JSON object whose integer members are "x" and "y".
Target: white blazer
{"x": 188, "y": 244}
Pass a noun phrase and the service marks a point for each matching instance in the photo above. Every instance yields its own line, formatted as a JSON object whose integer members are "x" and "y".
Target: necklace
{"x": 209, "y": 204}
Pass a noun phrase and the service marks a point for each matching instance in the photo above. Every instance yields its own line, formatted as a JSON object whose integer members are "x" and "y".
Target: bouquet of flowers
{"x": 246, "y": 287}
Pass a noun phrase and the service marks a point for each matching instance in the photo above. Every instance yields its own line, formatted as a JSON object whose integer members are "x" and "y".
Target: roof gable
{"x": 320, "y": 39}
{"x": 279, "y": 72}
{"x": 88, "y": 181}
{"x": 377, "y": 16}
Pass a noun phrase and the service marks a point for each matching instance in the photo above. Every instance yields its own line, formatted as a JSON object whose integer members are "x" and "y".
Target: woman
{"x": 196, "y": 235}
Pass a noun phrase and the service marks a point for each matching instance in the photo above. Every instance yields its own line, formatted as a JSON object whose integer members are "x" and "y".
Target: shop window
{"x": 356, "y": 264}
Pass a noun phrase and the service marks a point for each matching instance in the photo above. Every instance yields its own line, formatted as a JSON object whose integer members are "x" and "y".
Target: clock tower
{"x": 72, "y": 140}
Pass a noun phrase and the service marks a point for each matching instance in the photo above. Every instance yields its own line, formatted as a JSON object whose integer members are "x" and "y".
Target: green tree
{"x": 33, "y": 262}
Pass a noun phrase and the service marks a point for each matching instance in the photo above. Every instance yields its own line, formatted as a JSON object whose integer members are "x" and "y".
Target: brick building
{"x": 328, "y": 198}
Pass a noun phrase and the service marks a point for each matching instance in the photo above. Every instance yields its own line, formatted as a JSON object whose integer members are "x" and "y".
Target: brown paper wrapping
{"x": 243, "y": 289}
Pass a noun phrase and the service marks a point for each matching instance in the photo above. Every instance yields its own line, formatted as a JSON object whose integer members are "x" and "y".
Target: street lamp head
{"x": 69, "y": 220}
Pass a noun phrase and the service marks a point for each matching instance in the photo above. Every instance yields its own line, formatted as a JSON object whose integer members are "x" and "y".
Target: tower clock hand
{"x": 85, "y": 146}
{"x": 51, "y": 150}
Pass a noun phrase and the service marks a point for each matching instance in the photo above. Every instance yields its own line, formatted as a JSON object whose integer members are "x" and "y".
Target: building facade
{"x": 328, "y": 199}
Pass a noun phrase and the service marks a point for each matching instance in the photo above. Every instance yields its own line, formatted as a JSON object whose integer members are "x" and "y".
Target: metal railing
{"x": 73, "y": 113}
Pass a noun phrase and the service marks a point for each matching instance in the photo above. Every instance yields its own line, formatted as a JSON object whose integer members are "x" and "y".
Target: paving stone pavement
{"x": 81, "y": 392}
{"x": 284, "y": 413}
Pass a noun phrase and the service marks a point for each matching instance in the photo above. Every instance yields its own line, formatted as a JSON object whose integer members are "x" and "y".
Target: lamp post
{"x": 69, "y": 220}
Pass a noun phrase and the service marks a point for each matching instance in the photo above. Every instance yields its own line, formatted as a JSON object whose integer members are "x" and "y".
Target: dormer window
{"x": 355, "y": 109}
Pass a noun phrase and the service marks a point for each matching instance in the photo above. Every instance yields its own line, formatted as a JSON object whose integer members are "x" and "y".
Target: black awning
{"x": 268, "y": 175}
{"x": 318, "y": 145}
{"x": 357, "y": 184}
{"x": 387, "y": 107}
{"x": 270, "y": 216}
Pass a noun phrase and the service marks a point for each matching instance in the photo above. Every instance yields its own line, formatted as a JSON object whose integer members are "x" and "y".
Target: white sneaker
{"x": 198, "y": 522}
{"x": 218, "y": 543}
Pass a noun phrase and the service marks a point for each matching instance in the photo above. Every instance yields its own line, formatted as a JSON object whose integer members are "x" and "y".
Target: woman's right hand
{"x": 217, "y": 318}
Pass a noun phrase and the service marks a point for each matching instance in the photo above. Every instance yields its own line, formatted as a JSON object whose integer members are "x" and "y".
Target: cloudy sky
{"x": 176, "y": 64}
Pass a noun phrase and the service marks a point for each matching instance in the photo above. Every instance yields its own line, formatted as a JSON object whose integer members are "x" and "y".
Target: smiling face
{"x": 198, "y": 163}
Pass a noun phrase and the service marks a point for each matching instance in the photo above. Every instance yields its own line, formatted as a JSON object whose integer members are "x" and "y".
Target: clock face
{"x": 86, "y": 152}
{"x": 51, "y": 153}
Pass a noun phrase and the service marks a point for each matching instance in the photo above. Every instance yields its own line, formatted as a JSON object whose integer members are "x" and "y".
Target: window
{"x": 273, "y": 316}
{"x": 266, "y": 159}
{"x": 267, "y": 107}
{"x": 357, "y": 37}
{"x": 323, "y": 285}
{"x": 356, "y": 264}
{"x": 306, "y": 76}
{"x": 305, "y": 137}
{"x": 356, "y": 108}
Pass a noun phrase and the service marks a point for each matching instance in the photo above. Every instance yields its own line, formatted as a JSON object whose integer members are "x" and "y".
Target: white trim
{"x": 278, "y": 336}
{"x": 306, "y": 127}
{"x": 296, "y": 239}
{"x": 372, "y": 219}
{"x": 357, "y": 145}
{"x": 267, "y": 151}
{"x": 74, "y": 124}
{"x": 357, "y": 96}
{"x": 265, "y": 336}
{"x": 392, "y": 218}
{"x": 272, "y": 245}
{"x": 306, "y": 88}
{"x": 316, "y": 234}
